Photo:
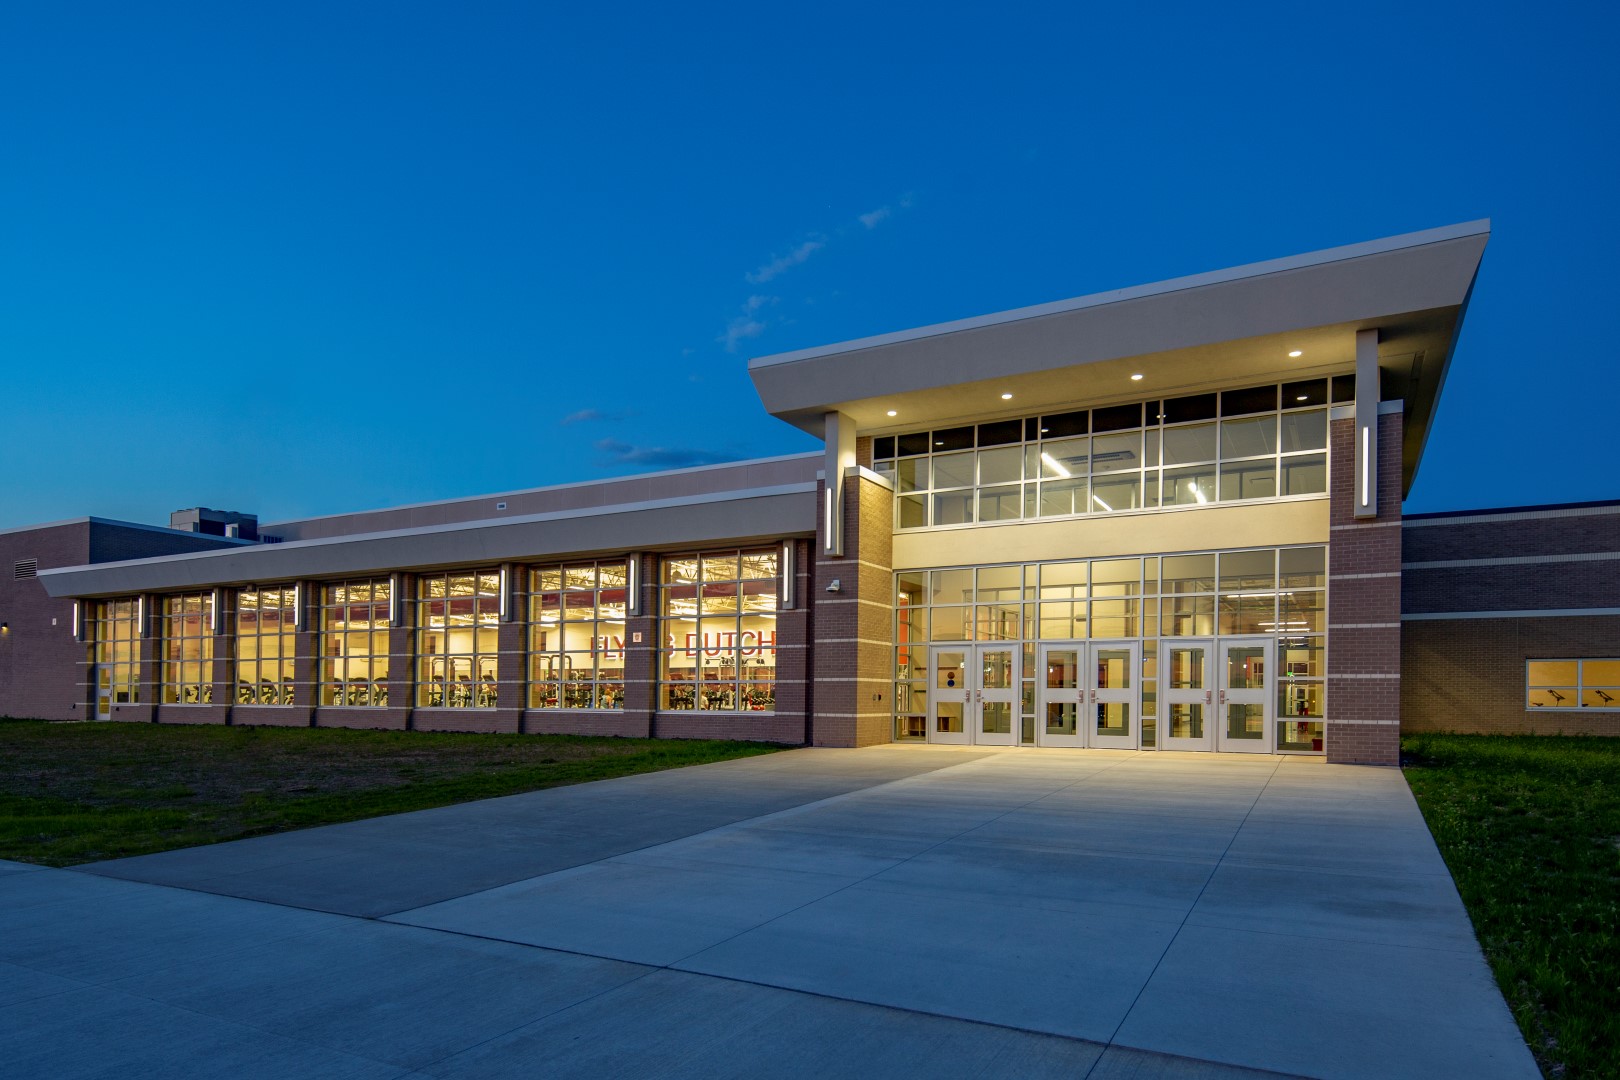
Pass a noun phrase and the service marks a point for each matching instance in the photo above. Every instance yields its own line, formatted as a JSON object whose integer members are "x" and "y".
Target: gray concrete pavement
{"x": 891, "y": 911}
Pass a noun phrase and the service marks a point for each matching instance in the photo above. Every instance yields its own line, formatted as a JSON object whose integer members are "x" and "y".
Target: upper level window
{"x": 458, "y": 619}
{"x": 1572, "y": 684}
{"x": 266, "y": 636}
{"x": 1261, "y": 442}
{"x": 187, "y": 648}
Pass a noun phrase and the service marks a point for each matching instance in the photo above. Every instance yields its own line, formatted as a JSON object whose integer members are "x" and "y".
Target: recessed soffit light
{"x": 1006, "y": 397}
{"x": 893, "y": 413}
{"x": 1296, "y": 354}
{"x": 1137, "y": 377}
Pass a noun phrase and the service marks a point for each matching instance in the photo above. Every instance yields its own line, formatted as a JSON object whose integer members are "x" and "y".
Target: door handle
{"x": 1209, "y": 697}
{"x": 1223, "y": 697}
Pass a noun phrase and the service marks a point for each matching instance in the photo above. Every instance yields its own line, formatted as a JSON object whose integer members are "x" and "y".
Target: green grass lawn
{"x": 1530, "y": 827}
{"x": 74, "y": 793}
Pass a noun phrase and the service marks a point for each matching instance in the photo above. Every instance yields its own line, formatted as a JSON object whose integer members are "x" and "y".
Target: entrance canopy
{"x": 1287, "y": 318}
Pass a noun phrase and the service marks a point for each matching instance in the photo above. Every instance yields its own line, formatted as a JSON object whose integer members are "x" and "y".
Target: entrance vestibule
{"x": 1215, "y": 694}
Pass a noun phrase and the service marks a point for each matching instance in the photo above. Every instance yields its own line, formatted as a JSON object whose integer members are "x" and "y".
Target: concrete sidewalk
{"x": 940, "y": 913}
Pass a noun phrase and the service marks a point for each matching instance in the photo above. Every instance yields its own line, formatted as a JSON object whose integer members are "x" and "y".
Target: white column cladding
{"x": 1365, "y": 497}
{"x": 839, "y": 434}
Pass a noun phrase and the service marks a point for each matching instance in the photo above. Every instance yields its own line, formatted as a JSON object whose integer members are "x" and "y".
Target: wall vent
{"x": 25, "y": 568}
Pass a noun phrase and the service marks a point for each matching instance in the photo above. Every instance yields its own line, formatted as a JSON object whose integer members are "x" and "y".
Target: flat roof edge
{"x": 450, "y": 527}
{"x": 1344, "y": 253}
{"x": 627, "y": 478}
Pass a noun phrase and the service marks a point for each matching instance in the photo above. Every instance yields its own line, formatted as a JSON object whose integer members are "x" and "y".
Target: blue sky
{"x": 306, "y": 258}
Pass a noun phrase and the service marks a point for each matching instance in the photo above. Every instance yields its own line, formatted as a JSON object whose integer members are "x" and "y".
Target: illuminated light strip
{"x": 1366, "y": 463}
{"x": 1052, "y": 463}
{"x": 1098, "y": 500}
{"x": 831, "y": 544}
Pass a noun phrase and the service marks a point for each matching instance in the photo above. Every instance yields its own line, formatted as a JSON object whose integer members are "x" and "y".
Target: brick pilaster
{"x": 1363, "y": 724}
{"x": 853, "y": 628}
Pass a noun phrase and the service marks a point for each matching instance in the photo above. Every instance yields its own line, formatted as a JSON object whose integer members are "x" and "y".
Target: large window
{"x": 116, "y": 633}
{"x": 1573, "y": 684}
{"x": 266, "y": 643}
{"x": 187, "y": 648}
{"x": 576, "y": 636}
{"x": 719, "y": 626}
{"x": 1279, "y": 593}
{"x": 1263, "y": 442}
{"x": 354, "y": 642}
{"x": 458, "y": 620}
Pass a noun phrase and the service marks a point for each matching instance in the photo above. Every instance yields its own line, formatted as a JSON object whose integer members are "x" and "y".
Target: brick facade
{"x": 854, "y": 627}
{"x": 1363, "y": 709}
{"x": 1542, "y": 567}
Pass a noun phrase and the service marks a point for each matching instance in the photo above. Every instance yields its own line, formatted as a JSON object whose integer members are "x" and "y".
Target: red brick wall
{"x": 41, "y": 666}
{"x": 1364, "y": 604}
{"x": 853, "y": 629}
{"x": 1468, "y": 675}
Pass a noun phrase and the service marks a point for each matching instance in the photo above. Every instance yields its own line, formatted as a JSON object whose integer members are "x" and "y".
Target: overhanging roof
{"x": 737, "y": 517}
{"x": 1182, "y": 335}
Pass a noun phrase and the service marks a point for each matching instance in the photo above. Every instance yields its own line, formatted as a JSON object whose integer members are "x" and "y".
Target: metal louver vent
{"x": 25, "y": 568}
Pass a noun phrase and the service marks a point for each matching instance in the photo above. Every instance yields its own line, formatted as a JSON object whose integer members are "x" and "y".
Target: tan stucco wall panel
{"x": 1198, "y": 529}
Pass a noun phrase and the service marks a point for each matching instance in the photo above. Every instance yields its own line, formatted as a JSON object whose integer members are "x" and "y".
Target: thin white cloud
{"x": 623, "y": 453}
{"x": 750, "y": 324}
{"x": 586, "y": 416}
{"x": 876, "y": 217}
{"x": 781, "y": 264}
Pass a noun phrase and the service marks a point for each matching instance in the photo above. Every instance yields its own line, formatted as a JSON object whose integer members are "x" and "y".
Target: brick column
{"x": 852, "y": 629}
{"x": 641, "y": 651}
{"x": 794, "y": 692}
{"x": 1363, "y": 725}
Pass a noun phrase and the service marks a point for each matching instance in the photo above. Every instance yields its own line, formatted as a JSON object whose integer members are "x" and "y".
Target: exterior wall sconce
{"x": 835, "y": 586}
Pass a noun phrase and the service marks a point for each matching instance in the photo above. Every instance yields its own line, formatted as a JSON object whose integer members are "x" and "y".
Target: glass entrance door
{"x": 1187, "y": 693}
{"x": 974, "y": 696}
{"x": 1113, "y": 691}
{"x": 996, "y": 695}
{"x": 948, "y": 696}
{"x": 1062, "y": 700}
{"x": 103, "y": 692}
{"x": 1244, "y": 723}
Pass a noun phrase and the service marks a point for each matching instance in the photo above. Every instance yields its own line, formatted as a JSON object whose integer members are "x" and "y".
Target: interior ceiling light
{"x": 893, "y": 413}
{"x": 1136, "y": 378}
{"x": 1295, "y": 355}
{"x": 1302, "y": 397}
{"x": 1006, "y": 397}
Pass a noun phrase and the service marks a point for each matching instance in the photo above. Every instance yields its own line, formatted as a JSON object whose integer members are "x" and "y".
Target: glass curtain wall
{"x": 1280, "y": 593}
{"x": 576, "y": 636}
{"x": 719, "y": 626}
{"x": 354, "y": 643}
{"x": 1263, "y": 442}
{"x": 116, "y": 636}
{"x": 266, "y": 643}
{"x": 186, "y": 645}
{"x": 458, "y": 620}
